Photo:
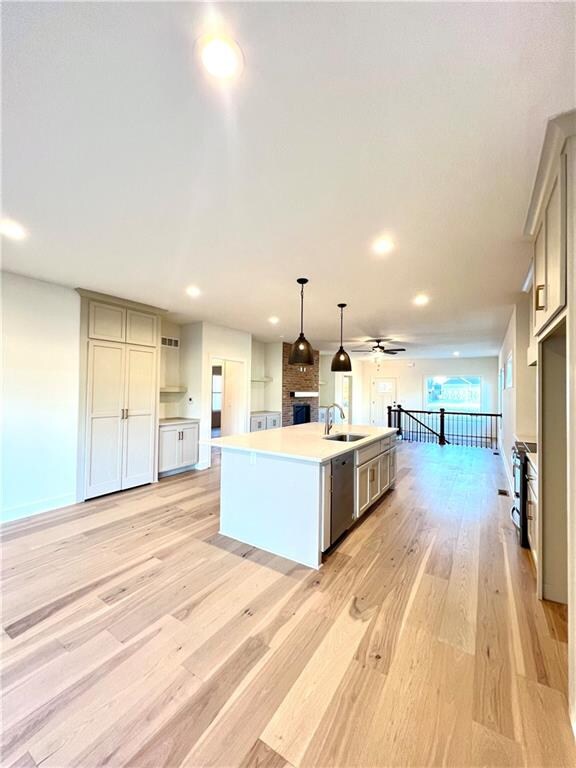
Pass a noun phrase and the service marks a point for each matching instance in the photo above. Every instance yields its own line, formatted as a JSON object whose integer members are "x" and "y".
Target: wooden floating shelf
{"x": 173, "y": 390}
{"x": 262, "y": 380}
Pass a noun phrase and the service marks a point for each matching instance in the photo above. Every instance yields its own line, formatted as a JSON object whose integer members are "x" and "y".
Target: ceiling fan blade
{"x": 363, "y": 351}
{"x": 389, "y": 352}
{"x": 395, "y": 349}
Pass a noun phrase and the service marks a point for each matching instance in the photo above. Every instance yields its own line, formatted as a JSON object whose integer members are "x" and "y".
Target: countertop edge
{"x": 345, "y": 448}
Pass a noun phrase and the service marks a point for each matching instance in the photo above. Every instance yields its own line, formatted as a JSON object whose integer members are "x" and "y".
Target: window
{"x": 454, "y": 393}
{"x": 217, "y": 392}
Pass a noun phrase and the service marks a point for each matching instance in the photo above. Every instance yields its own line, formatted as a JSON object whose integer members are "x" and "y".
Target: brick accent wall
{"x": 293, "y": 380}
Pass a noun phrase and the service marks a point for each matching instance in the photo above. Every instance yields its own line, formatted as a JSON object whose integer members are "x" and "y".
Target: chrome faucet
{"x": 328, "y": 423}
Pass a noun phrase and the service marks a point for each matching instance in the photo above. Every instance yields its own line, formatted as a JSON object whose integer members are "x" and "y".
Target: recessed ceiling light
{"x": 456, "y": 354}
{"x": 274, "y": 320}
{"x": 221, "y": 57}
{"x": 382, "y": 245}
{"x": 193, "y": 291}
{"x": 12, "y": 229}
{"x": 420, "y": 300}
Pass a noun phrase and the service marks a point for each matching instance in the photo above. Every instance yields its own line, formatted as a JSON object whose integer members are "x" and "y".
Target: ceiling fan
{"x": 378, "y": 347}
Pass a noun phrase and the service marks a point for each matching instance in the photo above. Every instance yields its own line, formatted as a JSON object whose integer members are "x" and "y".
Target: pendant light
{"x": 301, "y": 352}
{"x": 341, "y": 360}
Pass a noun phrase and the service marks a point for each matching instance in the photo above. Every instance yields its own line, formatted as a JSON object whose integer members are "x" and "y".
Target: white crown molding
{"x": 558, "y": 130}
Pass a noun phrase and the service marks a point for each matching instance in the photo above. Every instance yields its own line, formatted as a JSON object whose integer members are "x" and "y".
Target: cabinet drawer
{"x": 257, "y": 423}
{"x": 273, "y": 421}
{"x": 369, "y": 452}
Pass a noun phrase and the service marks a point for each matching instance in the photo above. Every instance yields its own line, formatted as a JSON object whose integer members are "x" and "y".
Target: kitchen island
{"x": 282, "y": 489}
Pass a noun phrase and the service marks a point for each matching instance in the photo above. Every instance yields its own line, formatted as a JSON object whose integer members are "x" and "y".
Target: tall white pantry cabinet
{"x": 120, "y": 391}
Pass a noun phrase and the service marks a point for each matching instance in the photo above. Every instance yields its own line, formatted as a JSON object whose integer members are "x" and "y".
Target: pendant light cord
{"x": 302, "y": 309}
{"x": 341, "y": 324}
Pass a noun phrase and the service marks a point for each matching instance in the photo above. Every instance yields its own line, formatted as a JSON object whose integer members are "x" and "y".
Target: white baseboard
{"x": 37, "y": 507}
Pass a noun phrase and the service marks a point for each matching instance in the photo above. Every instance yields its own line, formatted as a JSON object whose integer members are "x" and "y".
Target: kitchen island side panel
{"x": 272, "y": 503}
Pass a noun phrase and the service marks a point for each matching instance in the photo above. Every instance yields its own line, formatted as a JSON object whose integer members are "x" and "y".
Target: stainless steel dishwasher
{"x": 342, "y": 508}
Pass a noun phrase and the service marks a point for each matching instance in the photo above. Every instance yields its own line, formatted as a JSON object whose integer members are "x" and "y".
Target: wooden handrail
{"x": 464, "y": 427}
{"x": 442, "y": 440}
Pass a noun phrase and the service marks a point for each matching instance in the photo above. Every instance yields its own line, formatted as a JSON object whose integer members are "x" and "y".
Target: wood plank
{"x": 144, "y": 637}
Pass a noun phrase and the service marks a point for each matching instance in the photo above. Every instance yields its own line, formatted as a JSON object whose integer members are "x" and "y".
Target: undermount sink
{"x": 347, "y": 438}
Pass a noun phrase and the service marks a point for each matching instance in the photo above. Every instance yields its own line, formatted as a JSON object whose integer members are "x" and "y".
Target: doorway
{"x": 228, "y": 398}
{"x": 216, "y": 421}
{"x": 553, "y": 469}
{"x": 382, "y": 394}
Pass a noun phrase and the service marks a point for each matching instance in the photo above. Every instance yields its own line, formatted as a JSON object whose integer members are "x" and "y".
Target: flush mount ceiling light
{"x": 193, "y": 291}
{"x": 382, "y": 245}
{"x": 221, "y": 57}
{"x": 274, "y": 320}
{"x": 341, "y": 360}
{"x": 12, "y": 229}
{"x": 301, "y": 352}
{"x": 456, "y": 354}
{"x": 420, "y": 300}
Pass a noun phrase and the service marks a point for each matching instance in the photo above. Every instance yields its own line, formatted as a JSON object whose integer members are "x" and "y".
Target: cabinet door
{"x": 540, "y": 279}
{"x": 384, "y": 462}
{"x": 362, "y": 489}
{"x": 272, "y": 421}
{"x": 392, "y": 475}
{"x": 104, "y": 424}
{"x": 189, "y": 444}
{"x": 556, "y": 247}
{"x": 107, "y": 322}
{"x": 532, "y": 512}
{"x": 257, "y": 423}
{"x": 169, "y": 448}
{"x": 141, "y": 328}
{"x": 374, "y": 480}
{"x": 140, "y": 416}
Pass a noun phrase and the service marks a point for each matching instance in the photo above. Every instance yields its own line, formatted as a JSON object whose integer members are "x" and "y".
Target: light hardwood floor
{"x": 135, "y": 635}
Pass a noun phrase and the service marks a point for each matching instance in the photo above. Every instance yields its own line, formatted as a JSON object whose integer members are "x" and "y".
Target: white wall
{"x": 201, "y": 345}
{"x": 411, "y": 375}
{"x": 519, "y": 400}
{"x": 40, "y": 383}
{"x": 273, "y": 368}
{"x": 327, "y": 379}
{"x": 258, "y": 388}
{"x": 508, "y": 422}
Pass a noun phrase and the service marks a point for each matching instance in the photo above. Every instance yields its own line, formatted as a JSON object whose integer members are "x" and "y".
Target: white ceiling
{"x": 137, "y": 177}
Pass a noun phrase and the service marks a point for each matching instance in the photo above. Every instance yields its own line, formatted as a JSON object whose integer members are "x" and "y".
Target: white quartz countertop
{"x": 178, "y": 420}
{"x": 304, "y": 441}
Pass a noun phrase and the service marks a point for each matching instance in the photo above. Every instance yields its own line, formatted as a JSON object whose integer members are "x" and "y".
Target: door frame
{"x": 243, "y": 415}
{"x": 372, "y": 380}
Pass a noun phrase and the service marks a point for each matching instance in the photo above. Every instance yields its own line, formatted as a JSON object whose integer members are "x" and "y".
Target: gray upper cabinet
{"x": 107, "y": 322}
{"x": 141, "y": 328}
{"x": 547, "y": 220}
{"x": 112, "y": 322}
{"x": 550, "y": 253}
